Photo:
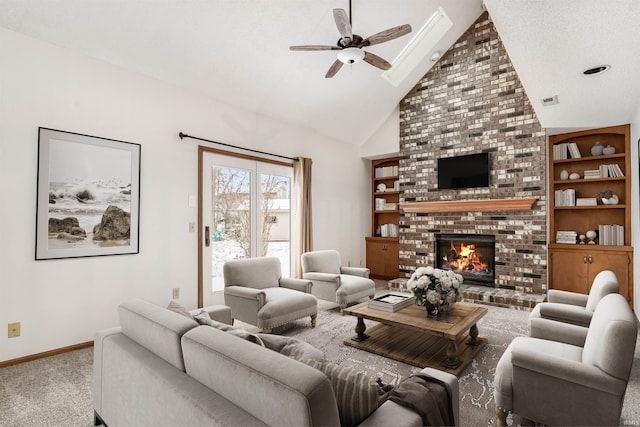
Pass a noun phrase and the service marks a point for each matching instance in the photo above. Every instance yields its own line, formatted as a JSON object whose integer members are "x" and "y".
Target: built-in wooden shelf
{"x": 518, "y": 204}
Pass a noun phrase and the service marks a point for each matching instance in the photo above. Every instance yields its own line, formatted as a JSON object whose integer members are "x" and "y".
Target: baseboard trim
{"x": 45, "y": 354}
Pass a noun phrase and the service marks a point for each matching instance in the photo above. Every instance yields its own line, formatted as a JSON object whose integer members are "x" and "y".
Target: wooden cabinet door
{"x": 569, "y": 271}
{"x": 574, "y": 270}
{"x": 382, "y": 258}
{"x": 375, "y": 259}
{"x": 618, "y": 262}
{"x": 391, "y": 258}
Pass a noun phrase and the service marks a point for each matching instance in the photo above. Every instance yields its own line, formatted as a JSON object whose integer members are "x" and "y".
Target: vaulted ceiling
{"x": 237, "y": 52}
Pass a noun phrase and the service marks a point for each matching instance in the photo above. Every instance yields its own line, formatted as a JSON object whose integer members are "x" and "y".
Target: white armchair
{"x": 259, "y": 295}
{"x": 334, "y": 282}
{"x": 555, "y": 383}
{"x": 570, "y": 308}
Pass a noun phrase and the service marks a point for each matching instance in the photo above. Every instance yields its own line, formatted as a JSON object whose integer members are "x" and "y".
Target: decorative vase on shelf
{"x": 596, "y": 149}
{"x": 591, "y": 235}
{"x": 564, "y": 174}
{"x": 609, "y": 150}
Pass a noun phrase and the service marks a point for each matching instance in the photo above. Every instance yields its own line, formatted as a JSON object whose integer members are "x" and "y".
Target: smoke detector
{"x": 550, "y": 100}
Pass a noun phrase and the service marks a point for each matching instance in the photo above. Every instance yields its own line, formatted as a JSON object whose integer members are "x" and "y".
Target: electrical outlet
{"x": 192, "y": 227}
{"x": 176, "y": 293}
{"x": 14, "y": 330}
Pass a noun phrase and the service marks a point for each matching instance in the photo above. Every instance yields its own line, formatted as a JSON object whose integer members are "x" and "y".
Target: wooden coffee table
{"x": 411, "y": 337}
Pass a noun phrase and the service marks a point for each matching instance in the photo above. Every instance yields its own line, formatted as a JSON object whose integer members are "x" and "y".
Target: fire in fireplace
{"x": 471, "y": 255}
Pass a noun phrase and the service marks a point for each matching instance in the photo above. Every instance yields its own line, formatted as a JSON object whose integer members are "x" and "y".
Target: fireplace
{"x": 471, "y": 255}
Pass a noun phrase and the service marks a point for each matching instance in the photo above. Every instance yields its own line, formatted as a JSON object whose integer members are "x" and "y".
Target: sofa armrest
{"x": 390, "y": 413}
{"x": 219, "y": 313}
{"x": 566, "y": 313}
{"x": 247, "y": 293}
{"x": 554, "y": 369}
{"x": 551, "y": 330}
{"x": 323, "y": 277}
{"x": 301, "y": 285}
{"x": 566, "y": 297}
{"x": 452, "y": 382}
{"x": 98, "y": 347}
{"x": 355, "y": 271}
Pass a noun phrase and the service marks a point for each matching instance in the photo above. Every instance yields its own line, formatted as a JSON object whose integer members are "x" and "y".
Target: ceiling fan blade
{"x": 342, "y": 22}
{"x": 314, "y": 47}
{"x": 376, "y": 61}
{"x": 335, "y": 67}
{"x": 386, "y": 35}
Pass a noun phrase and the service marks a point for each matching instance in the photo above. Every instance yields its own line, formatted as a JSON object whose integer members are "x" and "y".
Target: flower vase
{"x": 432, "y": 310}
{"x": 435, "y": 310}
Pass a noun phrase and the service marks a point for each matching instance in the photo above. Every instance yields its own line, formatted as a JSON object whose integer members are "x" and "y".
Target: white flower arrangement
{"x": 433, "y": 287}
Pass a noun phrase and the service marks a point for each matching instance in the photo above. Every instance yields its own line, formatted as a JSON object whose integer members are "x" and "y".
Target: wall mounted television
{"x": 470, "y": 171}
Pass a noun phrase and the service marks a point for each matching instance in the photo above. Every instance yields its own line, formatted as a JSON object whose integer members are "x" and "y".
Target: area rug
{"x": 500, "y": 326}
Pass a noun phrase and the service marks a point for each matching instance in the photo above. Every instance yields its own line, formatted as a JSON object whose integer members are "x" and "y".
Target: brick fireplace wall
{"x": 472, "y": 101}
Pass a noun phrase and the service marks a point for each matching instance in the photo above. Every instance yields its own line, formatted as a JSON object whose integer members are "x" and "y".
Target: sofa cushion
{"x": 291, "y": 347}
{"x": 356, "y": 394}
{"x": 155, "y": 328}
{"x": 176, "y": 307}
{"x": 260, "y": 381}
{"x": 203, "y": 318}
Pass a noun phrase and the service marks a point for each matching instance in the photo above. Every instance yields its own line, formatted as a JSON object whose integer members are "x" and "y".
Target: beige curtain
{"x": 302, "y": 239}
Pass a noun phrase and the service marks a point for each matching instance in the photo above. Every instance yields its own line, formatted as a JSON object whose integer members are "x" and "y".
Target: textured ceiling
{"x": 551, "y": 43}
{"x": 237, "y": 52}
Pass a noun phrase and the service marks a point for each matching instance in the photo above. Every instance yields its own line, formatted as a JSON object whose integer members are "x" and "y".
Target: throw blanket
{"x": 428, "y": 396}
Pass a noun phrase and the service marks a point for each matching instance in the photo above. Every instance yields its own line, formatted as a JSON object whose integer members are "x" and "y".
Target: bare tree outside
{"x": 232, "y": 210}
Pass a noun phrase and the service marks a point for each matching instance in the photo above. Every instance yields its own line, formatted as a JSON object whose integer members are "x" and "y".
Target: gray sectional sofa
{"x": 160, "y": 368}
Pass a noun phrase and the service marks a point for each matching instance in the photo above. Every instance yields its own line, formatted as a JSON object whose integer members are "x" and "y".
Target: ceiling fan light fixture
{"x": 351, "y": 55}
{"x": 419, "y": 47}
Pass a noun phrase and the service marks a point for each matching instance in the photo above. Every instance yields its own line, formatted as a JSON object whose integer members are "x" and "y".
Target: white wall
{"x": 385, "y": 142}
{"x": 64, "y": 302}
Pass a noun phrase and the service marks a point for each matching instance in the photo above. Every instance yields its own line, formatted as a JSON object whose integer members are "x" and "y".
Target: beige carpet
{"x": 57, "y": 391}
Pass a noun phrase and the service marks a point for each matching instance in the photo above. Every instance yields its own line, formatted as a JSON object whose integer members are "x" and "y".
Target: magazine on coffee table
{"x": 391, "y": 302}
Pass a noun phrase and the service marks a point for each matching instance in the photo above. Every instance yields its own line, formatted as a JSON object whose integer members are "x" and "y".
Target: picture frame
{"x": 88, "y": 196}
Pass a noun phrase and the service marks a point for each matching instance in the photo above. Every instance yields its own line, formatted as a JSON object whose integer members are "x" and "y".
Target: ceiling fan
{"x": 350, "y": 45}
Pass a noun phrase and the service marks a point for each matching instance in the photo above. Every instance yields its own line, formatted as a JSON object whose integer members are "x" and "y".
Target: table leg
{"x": 473, "y": 335}
{"x": 452, "y": 360}
{"x": 360, "y": 328}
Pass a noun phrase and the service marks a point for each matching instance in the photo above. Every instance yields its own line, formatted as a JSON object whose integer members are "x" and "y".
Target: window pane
{"x": 231, "y": 218}
{"x": 276, "y": 218}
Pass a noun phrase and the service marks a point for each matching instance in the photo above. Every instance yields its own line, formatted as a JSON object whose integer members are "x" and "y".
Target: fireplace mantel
{"x": 518, "y": 204}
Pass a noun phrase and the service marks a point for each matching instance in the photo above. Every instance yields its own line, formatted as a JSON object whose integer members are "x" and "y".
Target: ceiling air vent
{"x": 551, "y": 100}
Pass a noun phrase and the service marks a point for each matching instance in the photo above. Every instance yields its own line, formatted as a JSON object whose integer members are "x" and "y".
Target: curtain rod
{"x": 184, "y": 135}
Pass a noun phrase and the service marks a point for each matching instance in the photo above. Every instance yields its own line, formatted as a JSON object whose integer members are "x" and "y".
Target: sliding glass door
{"x": 246, "y": 212}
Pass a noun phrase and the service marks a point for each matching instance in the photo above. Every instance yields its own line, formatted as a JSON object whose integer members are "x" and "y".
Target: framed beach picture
{"x": 88, "y": 198}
